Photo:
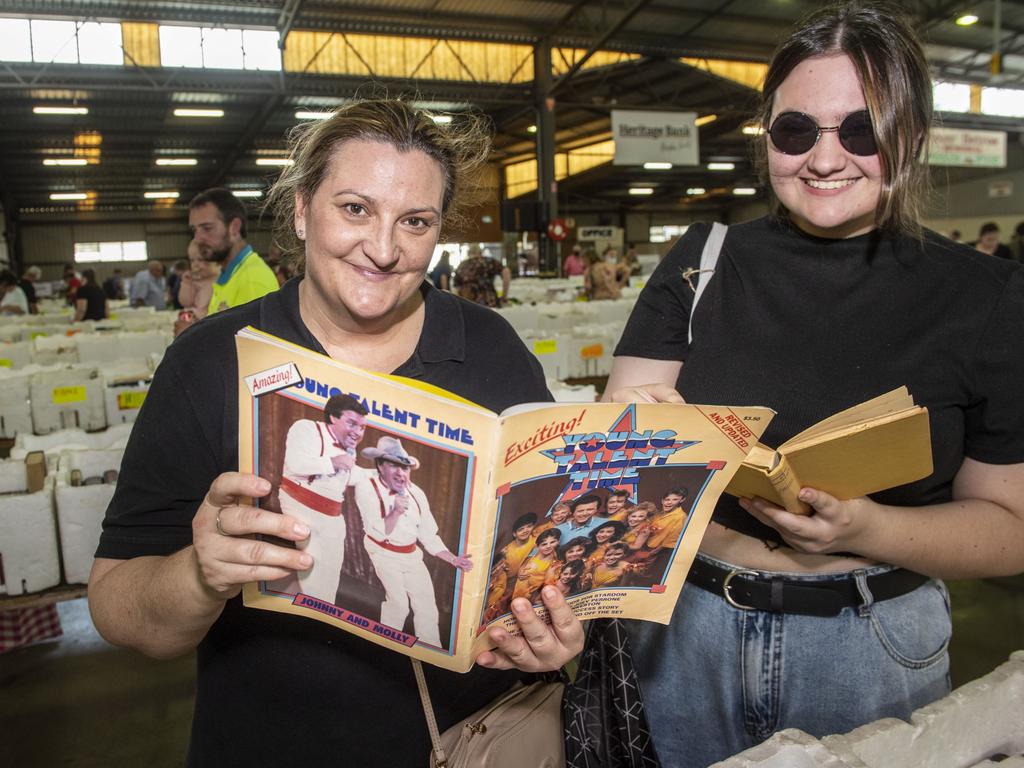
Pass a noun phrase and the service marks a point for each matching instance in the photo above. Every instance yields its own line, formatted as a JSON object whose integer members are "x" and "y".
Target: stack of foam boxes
{"x": 979, "y": 725}
{"x": 83, "y": 489}
{"x": 29, "y": 560}
{"x": 67, "y": 399}
{"x": 15, "y": 407}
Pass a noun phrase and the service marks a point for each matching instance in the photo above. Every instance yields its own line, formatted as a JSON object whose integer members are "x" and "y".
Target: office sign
{"x": 655, "y": 137}
{"x": 968, "y": 148}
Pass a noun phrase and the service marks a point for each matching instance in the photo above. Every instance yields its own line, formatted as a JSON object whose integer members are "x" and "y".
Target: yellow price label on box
{"x": 112, "y": 316}
{"x": 37, "y": 334}
{"x": 592, "y": 351}
{"x": 5, "y": 363}
{"x": 64, "y": 395}
{"x": 545, "y": 347}
{"x": 130, "y": 401}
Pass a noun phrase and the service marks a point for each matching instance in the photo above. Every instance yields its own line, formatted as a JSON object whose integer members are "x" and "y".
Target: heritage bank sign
{"x": 649, "y": 137}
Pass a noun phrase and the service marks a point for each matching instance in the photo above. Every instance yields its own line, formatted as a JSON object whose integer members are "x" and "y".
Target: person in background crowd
{"x": 284, "y": 272}
{"x": 218, "y": 222}
{"x": 607, "y": 276}
{"x": 181, "y": 267}
{"x": 631, "y": 261}
{"x": 474, "y": 279}
{"x": 988, "y": 241}
{"x": 90, "y": 301}
{"x": 149, "y": 289}
{"x": 843, "y": 619}
{"x": 1017, "y": 243}
{"x": 12, "y": 298}
{"x": 956, "y": 236}
{"x": 113, "y": 286}
{"x": 27, "y": 284}
{"x": 361, "y": 209}
{"x": 196, "y": 288}
{"x": 574, "y": 263}
{"x": 441, "y": 275}
{"x": 71, "y": 282}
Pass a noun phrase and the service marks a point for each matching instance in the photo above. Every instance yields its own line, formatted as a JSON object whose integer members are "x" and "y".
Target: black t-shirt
{"x": 95, "y": 301}
{"x": 276, "y": 689}
{"x": 810, "y": 326}
{"x": 29, "y": 290}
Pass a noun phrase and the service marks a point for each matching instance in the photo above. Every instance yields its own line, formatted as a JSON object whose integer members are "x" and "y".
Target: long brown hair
{"x": 879, "y": 39}
{"x": 460, "y": 148}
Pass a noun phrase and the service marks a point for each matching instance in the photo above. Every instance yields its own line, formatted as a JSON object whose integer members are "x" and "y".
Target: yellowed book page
{"x": 787, "y": 486}
{"x": 671, "y": 462}
{"x": 897, "y": 400}
{"x": 880, "y": 455}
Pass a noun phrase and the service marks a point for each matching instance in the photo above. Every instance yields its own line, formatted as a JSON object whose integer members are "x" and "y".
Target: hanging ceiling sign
{"x": 655, "y": 137}
{"x": 970, "y": 148}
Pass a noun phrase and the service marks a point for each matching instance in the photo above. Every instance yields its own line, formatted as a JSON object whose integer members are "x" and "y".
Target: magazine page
{"x": 393, "y": 482}
{"x": 609, "y": 502}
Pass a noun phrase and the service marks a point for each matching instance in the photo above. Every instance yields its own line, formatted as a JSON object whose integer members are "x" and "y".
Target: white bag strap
{"x": 708, "y": 262}
{"x": 440, "y": 758}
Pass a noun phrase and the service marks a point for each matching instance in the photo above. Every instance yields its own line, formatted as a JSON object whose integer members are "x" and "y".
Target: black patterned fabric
{"x": 603, "y": 711}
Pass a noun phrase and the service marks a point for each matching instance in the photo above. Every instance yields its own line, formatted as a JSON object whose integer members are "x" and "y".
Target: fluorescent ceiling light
{"x": 181, "y": 112}
{"x": 705, "y": 119}
{"x": 68, "y": 196}
{"x": 308, "y": 114}
{"x": 441, "y": 119}
{"x": 966, "y": 20}
{"x": 274, "y": 161}
{"x": 61, "y": 110}
{"x": 753, "y": 129}
{"x": 696, "y": 191}
{"x": 531, "y": 129}
{"x": 641, "y": 191}
{"x": 166, "y": 195}
{"x": 721, "y": 166}
{"x": 176, "y": 161}
{"x": 744, "y": 191}
{"x": 65, "y": 161}
{"x": 657, "y": 166}
{"x": 247, "y": 193}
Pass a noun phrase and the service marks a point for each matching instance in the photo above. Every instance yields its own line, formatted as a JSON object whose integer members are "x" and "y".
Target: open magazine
{"x": 429, "y": 514}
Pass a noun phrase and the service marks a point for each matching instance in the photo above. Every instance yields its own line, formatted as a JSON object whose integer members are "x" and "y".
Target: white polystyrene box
{"x": 572, "y": 393}
{"x": 105, "y": 348}
{"x": 58, "y": 348}
{"x": 123, "y": 401}
{"x": 28, "y": 533}
{"x": 552, "y": 352}
{"x": 71, "y": 440}
{"x": 80, "y": 509}
{"x": 15, "y": 409}
{"x": 15, "y": 354}
{"x": 68, "y": 399}
{"x": 11, "y": 333}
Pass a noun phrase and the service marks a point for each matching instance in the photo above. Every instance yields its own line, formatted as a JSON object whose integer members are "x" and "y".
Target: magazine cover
{"x": 429, "y": 514}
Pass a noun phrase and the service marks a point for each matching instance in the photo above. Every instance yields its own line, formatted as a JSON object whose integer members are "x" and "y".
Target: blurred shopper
{"x": 196, "y": 288}
{"x": 1017, "y": 243}
{"x": 441, "y": 275}
{"x": 218, "y": 222}
{"x": 113, "y": 286}
{"x": 71, "y": 282}
{"x": 12, "y": 298}
{"x": 91, "y": 301}
{"x": 180, "y": 268}
{"x": 607, "y": 276}
{"x": 988, "y": 241}
{"x": 149, "y": 289}
{"x": 474, "y": 279}
{"x": 27, "y": 284}
{"x": 574, "y": 263}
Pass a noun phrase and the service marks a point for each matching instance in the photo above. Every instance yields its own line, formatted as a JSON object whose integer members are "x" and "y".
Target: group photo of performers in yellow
{"x": 600, "y": 538}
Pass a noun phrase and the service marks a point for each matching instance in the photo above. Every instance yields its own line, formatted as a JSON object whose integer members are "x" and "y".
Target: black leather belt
{"x": 750, "y": 591}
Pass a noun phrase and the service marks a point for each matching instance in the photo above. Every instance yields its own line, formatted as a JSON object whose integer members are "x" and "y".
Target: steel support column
{"x": 547, "y": 186}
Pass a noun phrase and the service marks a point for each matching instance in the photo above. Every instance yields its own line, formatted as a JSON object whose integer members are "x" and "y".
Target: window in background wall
{"x": 951, "y": 97}
{"x": 665, "y": 233}
{"x": 63, "y": 42}
{"x": 133, "y": 250}
{"x": 219, "y": 48}
{"x": 1008, "y": 102}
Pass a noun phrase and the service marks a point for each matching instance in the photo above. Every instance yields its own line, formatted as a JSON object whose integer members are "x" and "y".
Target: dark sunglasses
{"x": 794, "y": 133}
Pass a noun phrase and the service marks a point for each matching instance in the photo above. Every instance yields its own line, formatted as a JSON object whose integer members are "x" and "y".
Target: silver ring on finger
{"x": 220, "y": 529}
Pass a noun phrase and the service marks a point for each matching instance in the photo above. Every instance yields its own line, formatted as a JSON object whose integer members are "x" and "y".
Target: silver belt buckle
{"x": 725, "y": 587}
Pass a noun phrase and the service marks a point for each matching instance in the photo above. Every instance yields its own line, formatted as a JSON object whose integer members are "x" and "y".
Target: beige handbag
{"x": 522, "y": 728}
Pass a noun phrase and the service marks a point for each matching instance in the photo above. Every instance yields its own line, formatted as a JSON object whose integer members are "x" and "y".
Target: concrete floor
{"x": 80, "y": 703}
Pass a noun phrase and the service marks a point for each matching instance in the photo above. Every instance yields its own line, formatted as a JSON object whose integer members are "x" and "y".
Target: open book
{"x": 879, "y": 444}
{"x": 429, "y": 513}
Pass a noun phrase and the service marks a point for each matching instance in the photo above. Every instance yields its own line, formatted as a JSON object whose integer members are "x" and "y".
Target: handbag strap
{"x": 708, "y": 262}
{"x": 440, "y": 758}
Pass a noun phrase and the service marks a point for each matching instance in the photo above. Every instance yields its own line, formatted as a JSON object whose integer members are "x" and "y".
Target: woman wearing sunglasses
{"x": 838, "y": 296}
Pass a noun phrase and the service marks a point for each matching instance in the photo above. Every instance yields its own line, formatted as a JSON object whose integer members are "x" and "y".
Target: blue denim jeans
{"x": 718, "y": 680}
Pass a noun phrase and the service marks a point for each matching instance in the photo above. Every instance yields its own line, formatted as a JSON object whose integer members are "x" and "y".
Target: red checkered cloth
{"x": 24, "y": 626}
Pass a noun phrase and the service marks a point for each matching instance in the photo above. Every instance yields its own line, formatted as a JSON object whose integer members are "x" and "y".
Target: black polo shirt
{"x": 276, "y": 689}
